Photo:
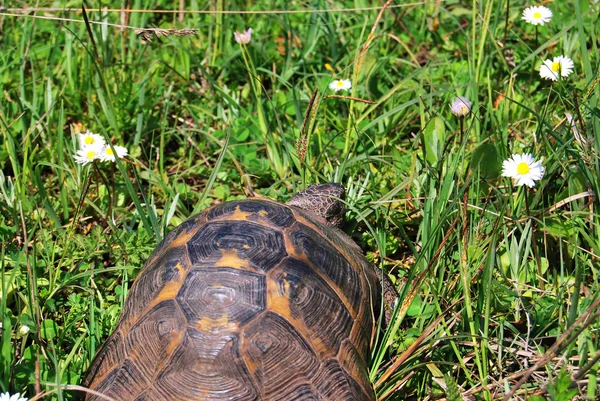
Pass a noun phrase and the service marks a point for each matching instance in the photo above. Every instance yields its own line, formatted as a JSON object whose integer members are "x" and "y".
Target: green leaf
{"x": 452, "y": 390}
{"x": 487, "y": 160}
{"x": 435, "y": 136}
{"x": 49, "y": 329}
{"x": 560, "y": 389}
{"x": 415, "y": 307}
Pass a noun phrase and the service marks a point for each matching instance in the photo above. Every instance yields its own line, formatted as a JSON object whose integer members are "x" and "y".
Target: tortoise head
{"x": 325, "y": 200}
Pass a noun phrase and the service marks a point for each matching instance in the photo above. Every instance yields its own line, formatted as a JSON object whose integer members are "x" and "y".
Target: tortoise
{"x": 249, "y": 300}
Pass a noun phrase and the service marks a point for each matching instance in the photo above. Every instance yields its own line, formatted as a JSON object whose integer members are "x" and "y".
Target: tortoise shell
{"x": 249, "y": 300}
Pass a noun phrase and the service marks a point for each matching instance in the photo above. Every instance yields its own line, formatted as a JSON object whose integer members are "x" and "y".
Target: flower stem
{"x": 533, "y": 63}
{"x": 506, "y": 22}
{"x": 256, "y": 88}
{"x": 272, "y": 142}
{"x": 88, "y": 182}
{"x": 108, "y": 190}
{"x": 533, "y": 245}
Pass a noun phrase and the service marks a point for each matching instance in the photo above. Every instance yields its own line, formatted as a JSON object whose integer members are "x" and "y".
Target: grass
{"x": 499, "y": 283}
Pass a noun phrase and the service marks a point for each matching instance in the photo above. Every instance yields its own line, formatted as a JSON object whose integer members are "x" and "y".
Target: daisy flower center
{"x": 537, "y": 15}
{"x": 555, "y": 66}
{"x": 109, "y": 151}
{"x": 89, "y": 140}
{"x": 90, "y": 154}
{"x": 523, "y": 168}
{"x": 340, "y": 84}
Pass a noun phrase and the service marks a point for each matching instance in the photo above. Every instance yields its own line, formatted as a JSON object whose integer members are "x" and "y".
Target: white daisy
{"x": 340, "y": 85}
{"x": 523, "y": 169}
{"x": 14, "y": 397}
{"x": 461, "y": 106}
{"x": 89, "y": 139}
{"x": 537, "y": 15}
{"x": 88, "y": 154}
{"x": 106, "y": 154}
{"x": 243, "y": 38}
{"x": 551, "y": 69}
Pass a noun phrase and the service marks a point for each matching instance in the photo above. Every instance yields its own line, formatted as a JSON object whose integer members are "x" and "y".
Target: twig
{"x": 587, "y": 367}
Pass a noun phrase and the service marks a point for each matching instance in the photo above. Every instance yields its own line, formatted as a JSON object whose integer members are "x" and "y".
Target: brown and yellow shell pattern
{"x": 249, "y": 300}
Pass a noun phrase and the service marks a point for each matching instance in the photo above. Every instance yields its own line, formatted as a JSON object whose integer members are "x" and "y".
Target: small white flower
{"x": 551, "y": 69}
{"x": 523, "y": 169}
{"x": 90, "y": 139}
{"x": 537, "y": 15}
{"x": 24, "y": 329}
{"x": 461, "y": 106}
{"x": 106, "y": 154}
{"x": 14, "y": 397}
{"x": 87, "y": 154}
{"x": 243, "y": 38}
{"x": 340, "y": 85}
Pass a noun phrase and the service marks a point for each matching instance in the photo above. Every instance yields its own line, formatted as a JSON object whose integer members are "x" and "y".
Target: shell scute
{"x": 278, "y": 357}
{"x": 160, "y": 331}
{"x": 150, "y": 395}
{"x": 124, "y": 382}
{"x": 178, "y": 235}
{"x": 260, "y": 210}
{"x": 221, "y": 298}
{"x": 110, "y": 354}
{"x": 334, "y": 383}
{"x": 330, "y": 263}
{"x": 167, "y": 270}
{"x": 314, "y": 303}
{"x": 353, "y": 364}
{"x": 218, "y": 375}
{"x": 304, "y": 393}
{"x": 262, "y": 246}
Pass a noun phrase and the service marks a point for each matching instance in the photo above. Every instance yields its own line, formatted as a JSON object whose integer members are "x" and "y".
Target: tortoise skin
{"x": 249, "y": 300}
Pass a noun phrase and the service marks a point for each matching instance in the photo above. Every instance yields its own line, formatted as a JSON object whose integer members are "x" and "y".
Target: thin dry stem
{"x": 356, "y": 99}
{"x": 147, "y": 34}
{"x": 370, "y": 38}
{"x": 73, "y": 387}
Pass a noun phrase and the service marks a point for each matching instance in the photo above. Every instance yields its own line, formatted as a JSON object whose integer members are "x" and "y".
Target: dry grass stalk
{"x": 147, "y": 34}
{"x": 356, "y": 99}
{"x": 363, "y": 50}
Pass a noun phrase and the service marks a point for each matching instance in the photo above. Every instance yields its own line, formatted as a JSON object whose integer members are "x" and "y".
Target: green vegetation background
{"x": 492, "y": 276}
